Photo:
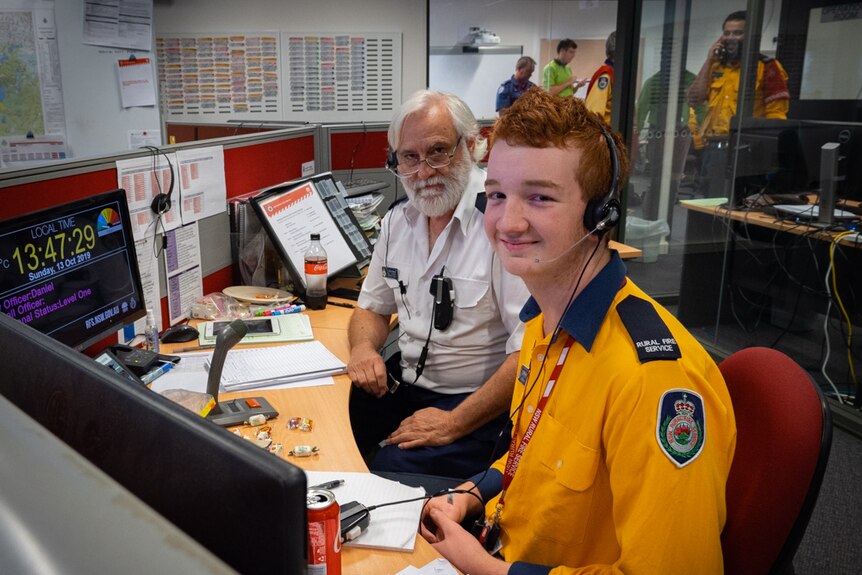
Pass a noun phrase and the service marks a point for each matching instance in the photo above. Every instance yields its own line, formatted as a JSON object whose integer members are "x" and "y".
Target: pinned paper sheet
{"x": 137, "y": 87}
{"x": 392, "y": 527}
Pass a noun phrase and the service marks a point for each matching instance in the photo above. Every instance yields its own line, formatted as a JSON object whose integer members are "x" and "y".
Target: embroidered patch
{"x": 603, "y": 82}
{"x": 501, "y": 89}
{"x": 523, "y": 375}
{"x": 681, "y": 425}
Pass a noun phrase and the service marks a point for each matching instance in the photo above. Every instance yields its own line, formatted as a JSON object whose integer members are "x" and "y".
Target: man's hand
{"x": 456, "y": 510}
{"x": 461, "y": 548}
{"x": 367, "y": 370}
{"x": 429, "y": 426}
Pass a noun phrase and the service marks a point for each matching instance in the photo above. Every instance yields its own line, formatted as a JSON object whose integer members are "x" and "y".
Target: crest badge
{"x": 681, "y": 425}
{"x": 603, "y": 82}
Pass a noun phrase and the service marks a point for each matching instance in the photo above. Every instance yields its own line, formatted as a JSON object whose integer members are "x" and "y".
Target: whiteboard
{"x": 475, "y": 78}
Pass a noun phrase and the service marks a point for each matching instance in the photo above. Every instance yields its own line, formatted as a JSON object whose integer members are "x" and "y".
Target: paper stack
{"x": 364, "y": 209}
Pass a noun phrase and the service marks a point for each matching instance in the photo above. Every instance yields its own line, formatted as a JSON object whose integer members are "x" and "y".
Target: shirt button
{"x": 529, "y": 409}
{"x": 541, "y": 357}
{"x": 559, "y": 463}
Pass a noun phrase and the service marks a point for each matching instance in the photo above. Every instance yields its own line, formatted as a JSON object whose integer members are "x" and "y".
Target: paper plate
{"x": 258, "y": 295}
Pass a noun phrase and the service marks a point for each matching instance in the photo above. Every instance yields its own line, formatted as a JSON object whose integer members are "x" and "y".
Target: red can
{"x": 324, "y": 533}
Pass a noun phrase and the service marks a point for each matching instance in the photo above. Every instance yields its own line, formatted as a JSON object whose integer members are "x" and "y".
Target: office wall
{"x": 404, "y": 16}
{"x": 97, "y": 124}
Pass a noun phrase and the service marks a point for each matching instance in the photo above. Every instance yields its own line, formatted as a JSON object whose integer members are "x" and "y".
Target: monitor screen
{"x": 243, "y": 503}
{"x": 71, "y": 271}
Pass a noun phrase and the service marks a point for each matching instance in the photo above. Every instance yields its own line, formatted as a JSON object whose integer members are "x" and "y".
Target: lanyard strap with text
{"x": 515, "y": 455}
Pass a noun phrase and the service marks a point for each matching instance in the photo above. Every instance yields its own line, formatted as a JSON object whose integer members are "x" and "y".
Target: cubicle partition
{"x": 251, "y": 162}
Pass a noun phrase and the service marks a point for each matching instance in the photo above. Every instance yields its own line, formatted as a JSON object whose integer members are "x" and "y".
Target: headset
{"x": 602, "y": 214}
{"x": 162, "y": 201}
{"x": 391, "y": 160}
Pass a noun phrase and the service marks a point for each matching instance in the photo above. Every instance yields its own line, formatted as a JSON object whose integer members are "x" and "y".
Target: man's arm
{"x": 432, "y": 426}
{"x": 367, "y": 333}
{"x": 699, "y": 89}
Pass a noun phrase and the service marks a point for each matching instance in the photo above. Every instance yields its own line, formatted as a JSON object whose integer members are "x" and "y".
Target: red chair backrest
{"x": 781, "y": 420}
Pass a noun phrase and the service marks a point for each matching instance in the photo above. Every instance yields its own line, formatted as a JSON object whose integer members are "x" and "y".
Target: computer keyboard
{"x": 359, "y": 186}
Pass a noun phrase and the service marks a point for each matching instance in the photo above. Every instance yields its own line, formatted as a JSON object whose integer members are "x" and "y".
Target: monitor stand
{"x": 234, "y": 411}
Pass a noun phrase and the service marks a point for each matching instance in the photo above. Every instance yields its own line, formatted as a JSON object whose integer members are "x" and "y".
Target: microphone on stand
{"x": 234, "y": 411}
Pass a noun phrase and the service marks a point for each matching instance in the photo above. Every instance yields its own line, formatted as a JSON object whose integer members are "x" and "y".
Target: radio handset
{"x": 444, "y": 301}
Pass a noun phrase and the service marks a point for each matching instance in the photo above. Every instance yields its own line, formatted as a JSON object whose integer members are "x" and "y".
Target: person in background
{"x": 717, "y": 84}
{"x": 601, "y": 86}
{"x": 653, "y": 104}
{"x": 511, "y": 89}
{"x": 439, "y": 405}
{"x": 624, "y": 431}
{"x": 557, "y": 77}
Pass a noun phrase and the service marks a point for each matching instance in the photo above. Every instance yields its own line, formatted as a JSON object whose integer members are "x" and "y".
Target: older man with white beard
{"x": 439, "y": 406}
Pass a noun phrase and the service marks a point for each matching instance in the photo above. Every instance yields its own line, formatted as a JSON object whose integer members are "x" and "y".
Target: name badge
{"x": 390, "y": 273}
{"x": 523, "y": 375}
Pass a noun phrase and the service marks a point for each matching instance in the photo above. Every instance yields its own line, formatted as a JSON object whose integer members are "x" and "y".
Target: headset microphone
{"x": 599, "y": 227}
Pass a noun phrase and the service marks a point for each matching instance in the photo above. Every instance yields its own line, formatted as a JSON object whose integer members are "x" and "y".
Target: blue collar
{"x": 586, "y": 314}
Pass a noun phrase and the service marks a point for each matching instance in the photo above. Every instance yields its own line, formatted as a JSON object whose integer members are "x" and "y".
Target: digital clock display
{"x": 71, "y": 271}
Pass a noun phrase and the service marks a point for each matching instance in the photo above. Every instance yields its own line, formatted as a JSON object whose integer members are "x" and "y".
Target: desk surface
{"x": 769, "y": 221}
{"x": 327, "y": 406}
{"x": 626, "y": 252}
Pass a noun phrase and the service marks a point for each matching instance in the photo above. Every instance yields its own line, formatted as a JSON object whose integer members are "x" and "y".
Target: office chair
{"x": 784, "y": 434}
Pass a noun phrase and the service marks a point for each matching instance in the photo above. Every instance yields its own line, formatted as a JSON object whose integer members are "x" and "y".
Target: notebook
{"x": 264, "y": 366}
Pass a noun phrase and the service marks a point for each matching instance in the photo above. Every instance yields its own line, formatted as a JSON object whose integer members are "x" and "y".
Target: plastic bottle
{"x": 151, "y": 333}
{"x": 316, "y": 270}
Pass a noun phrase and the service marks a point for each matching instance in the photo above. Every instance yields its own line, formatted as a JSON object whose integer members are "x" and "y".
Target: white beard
{"x": 433, "y": 203}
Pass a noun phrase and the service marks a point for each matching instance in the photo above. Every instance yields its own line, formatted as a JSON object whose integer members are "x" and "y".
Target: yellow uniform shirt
{"x": 595, "y": 491}
{"x": 771, "y": 98}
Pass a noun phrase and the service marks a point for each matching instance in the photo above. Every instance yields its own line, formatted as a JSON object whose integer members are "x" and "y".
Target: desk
{"x": 327, "y": 406}
{"x": 626, "y": 252}
{"x": 767, "y": 256}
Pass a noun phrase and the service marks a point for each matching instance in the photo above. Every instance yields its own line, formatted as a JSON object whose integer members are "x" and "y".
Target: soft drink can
{"x": 324, "y": 533}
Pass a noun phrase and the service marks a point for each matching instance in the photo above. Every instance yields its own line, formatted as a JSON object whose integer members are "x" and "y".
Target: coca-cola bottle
{"x": 316, "y": 270}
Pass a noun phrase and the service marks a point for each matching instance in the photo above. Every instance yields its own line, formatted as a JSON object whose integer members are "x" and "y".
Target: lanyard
{"x": 515, "y": 453}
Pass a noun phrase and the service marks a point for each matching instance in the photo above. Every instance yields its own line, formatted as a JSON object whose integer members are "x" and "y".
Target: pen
{"x": 328, "y": 484}
{"x": 340, "y": 304}
{"x": 290, "y": 309}
{"x": 158, "y": 372}
{"x": 194, "y": 348}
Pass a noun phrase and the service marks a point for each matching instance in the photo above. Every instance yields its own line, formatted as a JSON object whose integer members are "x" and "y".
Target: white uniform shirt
{"x": 485, "y": 327}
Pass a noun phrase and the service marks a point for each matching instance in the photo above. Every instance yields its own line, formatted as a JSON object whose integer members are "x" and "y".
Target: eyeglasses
{"x": 409, "y": 164}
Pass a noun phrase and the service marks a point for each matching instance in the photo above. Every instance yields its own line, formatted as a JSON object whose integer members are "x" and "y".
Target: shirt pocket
{"x": 571, "y": 468}
{"x": 470, "y": 295}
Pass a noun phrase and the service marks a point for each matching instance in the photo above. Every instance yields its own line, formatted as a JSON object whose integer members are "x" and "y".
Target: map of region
{"x": 20, "y": 94}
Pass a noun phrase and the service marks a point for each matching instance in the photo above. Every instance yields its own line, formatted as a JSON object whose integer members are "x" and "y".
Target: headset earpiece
{"x": 391, "y": 160}
{"x": 161, "y": 203}
{"x": 601, "y": 214}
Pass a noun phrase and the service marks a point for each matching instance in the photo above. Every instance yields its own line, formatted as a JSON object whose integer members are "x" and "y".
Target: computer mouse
{"x": 179, "y": 333}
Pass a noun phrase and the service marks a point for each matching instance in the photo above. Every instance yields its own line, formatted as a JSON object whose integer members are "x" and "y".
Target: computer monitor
{"x": 244, "y": 504}
{"x": 70, "y": 271}
{"x": 784, "y": 156}
{"x": 813, "y": 135}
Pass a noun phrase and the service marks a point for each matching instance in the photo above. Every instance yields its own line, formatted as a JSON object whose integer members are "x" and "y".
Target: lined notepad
{"x": 262, "y": 366}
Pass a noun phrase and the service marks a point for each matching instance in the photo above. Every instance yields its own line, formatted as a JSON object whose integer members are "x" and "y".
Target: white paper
{"x": 137, "y": 87}
{"x": 23, "y": 150}
{"x": 142, "y": 138}
{"x": 437, "y": 566}
{"x": 119, "y": 23}
{"x": 183, "y": 271}
{"x": 143, "y": 179}
{"x": 391, "y": 527}
{"x": 192, "y": 373}
{"x": 149, "y": 271}
{"x": 203, "y": 192}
